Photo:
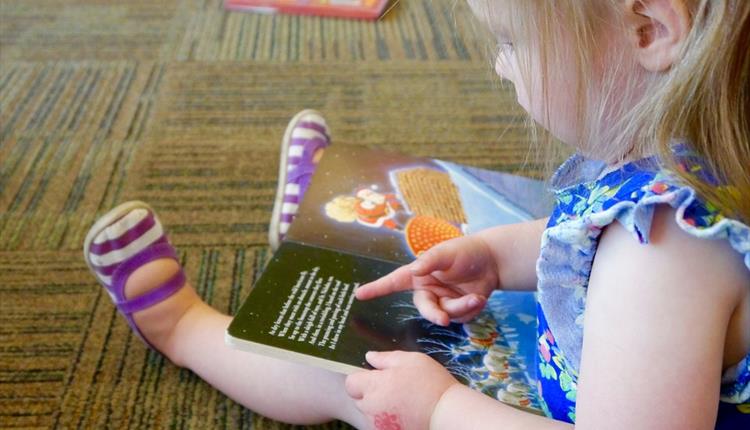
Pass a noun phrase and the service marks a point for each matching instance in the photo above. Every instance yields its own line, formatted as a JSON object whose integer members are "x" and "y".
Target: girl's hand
{"x": 451, "y": 281}
{"x": 402, "y": 391}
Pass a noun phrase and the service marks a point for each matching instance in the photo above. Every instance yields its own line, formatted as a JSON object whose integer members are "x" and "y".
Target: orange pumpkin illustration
{"x": 423, "y": 232}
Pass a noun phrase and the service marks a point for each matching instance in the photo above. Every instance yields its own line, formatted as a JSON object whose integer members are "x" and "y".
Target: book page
{"x": 393, "y": 207}
{"x": 303, "y": 309}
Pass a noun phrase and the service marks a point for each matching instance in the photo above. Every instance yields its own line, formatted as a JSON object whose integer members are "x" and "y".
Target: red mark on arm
{"x": 386, "y": 421}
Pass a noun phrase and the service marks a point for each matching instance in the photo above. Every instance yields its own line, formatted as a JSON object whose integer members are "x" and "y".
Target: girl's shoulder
{"x": 649, "y": 202}
{"x": 631, "y": 194}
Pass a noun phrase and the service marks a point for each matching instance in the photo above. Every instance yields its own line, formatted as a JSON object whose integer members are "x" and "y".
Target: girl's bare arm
{"x": 515, "y": 249}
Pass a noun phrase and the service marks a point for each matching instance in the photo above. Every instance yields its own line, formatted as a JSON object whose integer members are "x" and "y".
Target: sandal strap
{"x": 302, "y": 175}
{"x": 157, "y": 295}
{"x": 311, "y": 146}
{"x": 313, "y": 125}
{"x": 300, "y": 172}
{"x": 120, "y": 277}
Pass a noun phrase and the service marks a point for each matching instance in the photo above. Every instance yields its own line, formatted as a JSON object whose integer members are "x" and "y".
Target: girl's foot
{"x": 305, "y": 139}
{"x": 131, "y": 257}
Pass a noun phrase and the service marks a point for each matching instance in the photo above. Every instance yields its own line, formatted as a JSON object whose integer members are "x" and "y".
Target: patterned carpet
{"x": 183, "y": 105}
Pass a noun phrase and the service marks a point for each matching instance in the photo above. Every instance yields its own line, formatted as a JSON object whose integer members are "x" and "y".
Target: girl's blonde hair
{"x": 703, "y": 99}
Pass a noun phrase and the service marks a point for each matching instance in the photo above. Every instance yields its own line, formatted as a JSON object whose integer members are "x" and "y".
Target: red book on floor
{"x": 356, "y": 9}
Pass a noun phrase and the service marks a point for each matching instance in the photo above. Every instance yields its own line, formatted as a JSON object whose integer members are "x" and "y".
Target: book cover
{"x": 354, "y": 9}
{"x": 366, "y": 213}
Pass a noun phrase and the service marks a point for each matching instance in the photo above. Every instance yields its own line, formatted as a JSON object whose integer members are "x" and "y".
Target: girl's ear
{"x": 658, "y": 29}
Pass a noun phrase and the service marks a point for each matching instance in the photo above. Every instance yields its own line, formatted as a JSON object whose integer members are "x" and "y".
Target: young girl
{"x": 643, "y": 269}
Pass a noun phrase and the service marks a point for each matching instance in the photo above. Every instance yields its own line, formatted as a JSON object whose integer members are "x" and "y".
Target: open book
{"x": 366, "y": 213}
{"x": 355, "y": 9}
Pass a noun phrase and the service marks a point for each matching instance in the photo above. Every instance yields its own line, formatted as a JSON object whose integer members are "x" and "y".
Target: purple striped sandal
{"x": 119, "y": 243}
{"x": 306, "y": 134}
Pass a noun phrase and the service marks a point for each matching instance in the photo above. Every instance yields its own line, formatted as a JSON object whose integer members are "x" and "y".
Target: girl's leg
{"x": 131, "y": 257}
{"x": 191, "y": 334}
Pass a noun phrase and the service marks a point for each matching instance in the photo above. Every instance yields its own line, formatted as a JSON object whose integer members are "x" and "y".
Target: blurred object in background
{"x": 353, "y": 9}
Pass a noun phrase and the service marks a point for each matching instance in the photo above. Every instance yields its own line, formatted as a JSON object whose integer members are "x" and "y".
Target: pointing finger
{"x": 398, "y": 280}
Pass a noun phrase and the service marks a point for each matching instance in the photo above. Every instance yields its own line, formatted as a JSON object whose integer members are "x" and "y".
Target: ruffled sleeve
{"x": 691, "y": 215}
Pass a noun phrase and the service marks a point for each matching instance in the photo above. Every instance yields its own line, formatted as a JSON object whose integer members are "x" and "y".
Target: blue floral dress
{"x": 586, "y": 202}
